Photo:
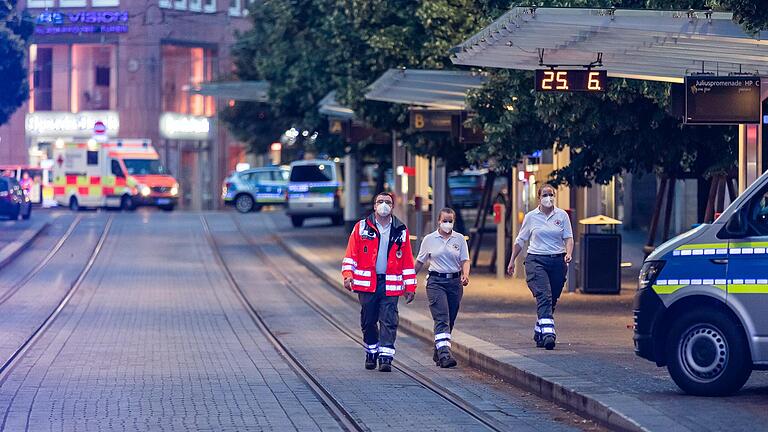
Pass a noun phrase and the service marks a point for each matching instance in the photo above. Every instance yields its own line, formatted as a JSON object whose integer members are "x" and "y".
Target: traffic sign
{"x": 722, "y": 99}
{"x": 99, "y": 128}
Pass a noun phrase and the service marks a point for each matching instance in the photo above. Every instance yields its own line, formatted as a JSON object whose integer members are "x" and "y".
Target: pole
{"x": 501, "y": 241}
{"x": 439, "y": 182}
{"x": 351, "y": 192}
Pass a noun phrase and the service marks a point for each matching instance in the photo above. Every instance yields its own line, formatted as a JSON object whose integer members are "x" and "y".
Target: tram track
{"x": 479, "y": 415}
{"x": 14, "y": 288}
{"x": 40, "y": 330}
{"x": 343, "y": 417}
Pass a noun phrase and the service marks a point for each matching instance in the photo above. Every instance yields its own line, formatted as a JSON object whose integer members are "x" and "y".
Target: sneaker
{"x": 549, "y": 342}
{"x": 370, "y": 361}
{"x": 385, "y": 364}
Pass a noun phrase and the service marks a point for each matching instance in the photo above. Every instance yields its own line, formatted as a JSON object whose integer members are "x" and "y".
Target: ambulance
{"x": 701, "y": 308}
{"x": 114, "y": 173}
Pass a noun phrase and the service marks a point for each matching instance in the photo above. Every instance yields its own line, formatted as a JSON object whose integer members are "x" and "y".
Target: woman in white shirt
{"x": 548, "y": 231}
{"x": 448, "y": 256}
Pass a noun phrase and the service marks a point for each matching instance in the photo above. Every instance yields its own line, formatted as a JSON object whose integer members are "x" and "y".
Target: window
{"x": 209, "y": 6}
{"x": 72, "y": 3}
{"x": 312, "y": 173}
{"x": 196, "y": 5}
{"x": 144, "y": 167}
{"x": 180, "y": 4}
{"x": 92, "y": 79}
{"x": 3, "y": 185}
{"x": 234, "y": 7}
{"x": 117, "y": 171}
{"x": 105, "y": 3}
{"x": 93, "y": 157}
{"x": 758, "y": 214}
{"x": 165, "y": 4}
{"x": 41, "y": 3}
{"x": 42, "y": 78}
{"x": 281, "y": 175}
{"x": 183, "y": 66}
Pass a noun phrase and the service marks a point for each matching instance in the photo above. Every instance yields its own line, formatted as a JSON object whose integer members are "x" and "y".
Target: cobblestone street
{"x": 131, "y": 324}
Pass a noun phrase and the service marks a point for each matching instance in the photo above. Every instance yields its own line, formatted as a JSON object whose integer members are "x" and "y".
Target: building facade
{"x": 132, "y": 64}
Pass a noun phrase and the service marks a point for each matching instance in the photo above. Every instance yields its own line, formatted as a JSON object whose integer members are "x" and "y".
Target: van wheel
{"x": 707, "y": 353}
{"x": 244, "y": 203}
{"x": 297, "y": 221}
{"x": 126, "y": 203}
{"x": 14, "y": 214}
{"x": 168, "y": 208}
{"x": 74, "y": 205}
{"x": 337, "y": 220}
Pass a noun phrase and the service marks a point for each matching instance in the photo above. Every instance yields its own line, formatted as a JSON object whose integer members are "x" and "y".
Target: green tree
{"x": 15, "y": 30}
{"x": 288, "y": 48}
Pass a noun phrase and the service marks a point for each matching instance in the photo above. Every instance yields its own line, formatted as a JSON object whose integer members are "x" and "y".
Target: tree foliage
{"x": 15, "y": 30}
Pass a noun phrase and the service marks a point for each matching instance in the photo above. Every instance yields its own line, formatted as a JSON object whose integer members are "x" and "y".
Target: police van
{"x": 701, "y": 308}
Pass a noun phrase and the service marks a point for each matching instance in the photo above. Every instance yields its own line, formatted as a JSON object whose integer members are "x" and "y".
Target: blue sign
{"x": 76, "y": 22}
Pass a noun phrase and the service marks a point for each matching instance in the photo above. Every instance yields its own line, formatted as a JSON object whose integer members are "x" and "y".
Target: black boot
{"x": 549, "y": 342}
{"x": 385, "y": 364}
{"x": 370, "y": 361}
{"x": 435, "y": 358}
{"x": 539, "y": 340}
{"x": 446, "y": 359}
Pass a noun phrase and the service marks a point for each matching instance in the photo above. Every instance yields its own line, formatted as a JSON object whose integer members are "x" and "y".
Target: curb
{"x": 607, "y": 406}
{"x": 12, "y": 250}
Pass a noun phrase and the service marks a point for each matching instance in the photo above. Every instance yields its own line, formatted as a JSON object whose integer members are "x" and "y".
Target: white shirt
{"x": 445, "y": 255}
{"x": 383, "y": 254}
{"x": 546, "y": 234}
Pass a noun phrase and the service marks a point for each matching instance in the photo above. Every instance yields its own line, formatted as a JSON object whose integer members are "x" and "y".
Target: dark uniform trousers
{"x": 546, "y": 277}
{"x": 379, "y": 318}
{"x": 444, "y": 299}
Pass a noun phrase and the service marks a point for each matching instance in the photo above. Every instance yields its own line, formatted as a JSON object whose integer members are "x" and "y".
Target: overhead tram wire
{"x": 334, "y": 407}
{"x": 18, "y": 354}
{"x": 444, "y": 393}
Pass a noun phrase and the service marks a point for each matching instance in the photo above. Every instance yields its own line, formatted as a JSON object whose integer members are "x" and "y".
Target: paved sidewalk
{"x": 594, "y": 345}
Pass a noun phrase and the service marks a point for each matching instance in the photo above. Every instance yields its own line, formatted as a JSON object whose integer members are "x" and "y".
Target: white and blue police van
{"x": 701, "y": 308}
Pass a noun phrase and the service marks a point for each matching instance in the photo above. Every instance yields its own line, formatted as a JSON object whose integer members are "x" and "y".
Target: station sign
{"x": 722, "y": 99}
{"x": 175, "y": 126}
{"x": 432, "y": 121}
{"x": 53, "y": 124}
{"x": 571, "y": 80}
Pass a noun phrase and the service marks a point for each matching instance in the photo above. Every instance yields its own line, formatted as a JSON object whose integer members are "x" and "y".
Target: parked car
{"x": 13, "y": 200}
{"x": 252, "y": 189}
{"x": 315, "y": 189}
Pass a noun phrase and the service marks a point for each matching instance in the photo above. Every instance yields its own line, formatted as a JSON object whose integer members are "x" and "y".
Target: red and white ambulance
{"x": 115, "y": 173}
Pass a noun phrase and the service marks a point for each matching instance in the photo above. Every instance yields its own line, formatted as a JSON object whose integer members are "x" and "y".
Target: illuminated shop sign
{"x": 66, "y": 124}
{"x": 184, "y": 127}
{"x": 54, "y": 22}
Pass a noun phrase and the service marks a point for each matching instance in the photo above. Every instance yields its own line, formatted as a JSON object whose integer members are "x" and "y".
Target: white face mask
{"x": 446, "y": 227}
{"x": 548, "y": 201}
{"x": 383, "y": 210}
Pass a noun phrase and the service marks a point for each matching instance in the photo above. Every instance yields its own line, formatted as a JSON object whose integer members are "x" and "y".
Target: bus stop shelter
{"x": 437, "y": 103}
{"x": 638, "y": 44}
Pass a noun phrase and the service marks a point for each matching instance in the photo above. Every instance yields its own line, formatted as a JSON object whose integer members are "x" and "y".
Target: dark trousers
{"x": 546, "y": 277}
{"x": 444, "y": 300}
{"x": 379, "y": 319}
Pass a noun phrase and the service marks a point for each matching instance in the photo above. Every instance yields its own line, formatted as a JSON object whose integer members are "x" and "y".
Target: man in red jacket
{"x": 378, "y": 266}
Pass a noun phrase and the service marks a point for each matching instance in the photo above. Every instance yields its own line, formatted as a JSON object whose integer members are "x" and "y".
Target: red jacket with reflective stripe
{"x": 360, "y": 260}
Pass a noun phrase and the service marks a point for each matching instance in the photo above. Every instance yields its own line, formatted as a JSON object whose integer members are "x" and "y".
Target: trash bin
{"x": 600, "y": 256}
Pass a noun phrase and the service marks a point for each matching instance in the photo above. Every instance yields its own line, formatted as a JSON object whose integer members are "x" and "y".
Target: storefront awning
{"x": 641, "y": 44}
{"x": 436, "y": 89}
{"x": 328, "y": 106}
{"x": 254, "y": 91}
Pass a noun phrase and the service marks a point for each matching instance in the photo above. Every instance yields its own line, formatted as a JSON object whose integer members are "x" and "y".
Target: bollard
{"x": 499, "y": 217}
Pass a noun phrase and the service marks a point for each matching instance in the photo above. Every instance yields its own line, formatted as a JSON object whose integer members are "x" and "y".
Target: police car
{"x": 701, "y": 308}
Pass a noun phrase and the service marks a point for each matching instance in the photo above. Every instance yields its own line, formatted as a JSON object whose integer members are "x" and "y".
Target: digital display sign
{"x": 722, "y": 99}
{"x": 571, "y": 80}
{"x": 77, "y": 22}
